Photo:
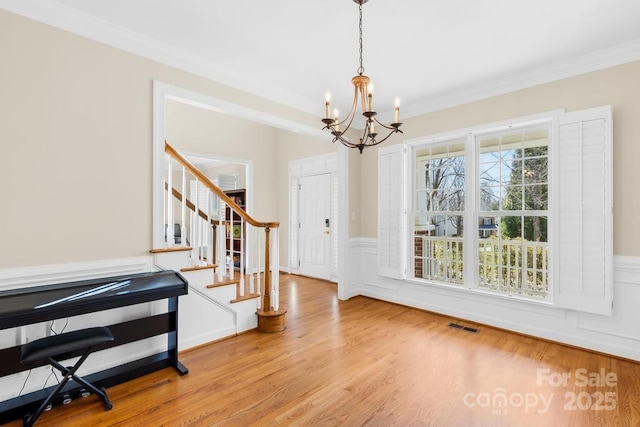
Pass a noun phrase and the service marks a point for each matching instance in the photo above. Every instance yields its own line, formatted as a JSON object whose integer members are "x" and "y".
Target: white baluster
{"x": 183, "y": 213}
{"x": 194, "y": 226}
{"x": 242, "y": 255}
{"x": 260, "y": 284}
{"x": 210, "y": 242}
{"x": 251, "y": 261}
{"x": 192, "y": 236}
{"x": 170, "y": 237}
{"x": 221, "y": 242}
{"x": 164, "y": 207}
{"x": 275, "y": 281}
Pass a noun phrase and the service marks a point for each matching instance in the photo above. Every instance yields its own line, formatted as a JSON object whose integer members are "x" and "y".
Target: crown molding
{"x": 77, "y": 22}
{"x": 595, "y": 61}
{"x": 80, "y": 23}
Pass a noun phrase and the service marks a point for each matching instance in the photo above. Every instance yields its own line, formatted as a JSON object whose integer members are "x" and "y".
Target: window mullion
{"x": 472, "y": 203}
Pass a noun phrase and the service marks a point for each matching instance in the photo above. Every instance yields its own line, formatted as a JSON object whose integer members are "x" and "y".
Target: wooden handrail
{"x": 211, "y": 186}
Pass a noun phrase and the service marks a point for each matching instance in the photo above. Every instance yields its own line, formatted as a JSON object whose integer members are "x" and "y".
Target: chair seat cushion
{"x": 64, "y": 343}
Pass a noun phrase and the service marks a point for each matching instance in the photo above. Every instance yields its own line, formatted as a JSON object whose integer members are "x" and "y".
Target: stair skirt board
{"x": 201, "y": 322}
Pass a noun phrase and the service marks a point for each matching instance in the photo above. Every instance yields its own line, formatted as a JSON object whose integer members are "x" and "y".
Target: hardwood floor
{"x": 367, "y": 362}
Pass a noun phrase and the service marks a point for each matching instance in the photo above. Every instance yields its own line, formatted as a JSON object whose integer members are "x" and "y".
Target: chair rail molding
{"x": 22, "y": 277}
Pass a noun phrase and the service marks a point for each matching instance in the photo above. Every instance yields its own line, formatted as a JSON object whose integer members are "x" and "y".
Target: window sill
{"x": 488, "y": 297}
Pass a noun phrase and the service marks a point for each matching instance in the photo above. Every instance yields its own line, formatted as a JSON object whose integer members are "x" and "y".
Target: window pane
{"x": 535, "y": 171}
{"x": 489, "y": 173}
{"x": 535, "y": 229}
{"x": 513, "y": 199}
{"x": 536, "y": 197}
{"x": 490, "y": 198}
{"x": 438, "y": 249}
{"x": 487, "y": 227}
{"x": 512, "y": 172}
{"x": 488, "y": 255}
{"x": 537, "y": 274}
{"x": 489, "y": 150}
{"x": 440, "y": 178}
{"x": 438, "y": 236}
{"x": 455, "y": 199}
{"x": 515, "y": 260}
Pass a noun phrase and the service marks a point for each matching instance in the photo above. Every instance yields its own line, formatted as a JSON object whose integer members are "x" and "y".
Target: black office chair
{"x": 58, "y": 347}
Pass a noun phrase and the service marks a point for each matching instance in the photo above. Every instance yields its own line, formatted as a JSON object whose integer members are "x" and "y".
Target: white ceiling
{"x": 431, "y": 54}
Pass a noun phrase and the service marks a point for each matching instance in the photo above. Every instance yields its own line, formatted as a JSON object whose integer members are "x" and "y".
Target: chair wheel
{"x": 108, "y": 406}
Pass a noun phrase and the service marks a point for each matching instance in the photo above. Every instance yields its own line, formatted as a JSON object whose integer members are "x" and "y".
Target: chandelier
{"x": 364, "y": 94}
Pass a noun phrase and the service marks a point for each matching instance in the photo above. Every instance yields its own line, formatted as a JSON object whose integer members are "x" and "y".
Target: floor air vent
{"x": 464, "y": 328}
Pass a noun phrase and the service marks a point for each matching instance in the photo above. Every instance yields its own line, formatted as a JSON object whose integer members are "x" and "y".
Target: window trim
{"x": 602, "y": 118}
{"x": 471, "y": 135}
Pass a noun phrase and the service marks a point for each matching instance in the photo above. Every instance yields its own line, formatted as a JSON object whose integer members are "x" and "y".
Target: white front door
{"x": 315, "y": 226}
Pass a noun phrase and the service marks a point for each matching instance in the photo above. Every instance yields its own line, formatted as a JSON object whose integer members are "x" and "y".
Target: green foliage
{"x": 527, "y": 190}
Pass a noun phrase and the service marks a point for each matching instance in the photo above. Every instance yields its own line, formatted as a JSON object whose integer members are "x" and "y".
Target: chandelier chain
{"x": 361, "y": 68}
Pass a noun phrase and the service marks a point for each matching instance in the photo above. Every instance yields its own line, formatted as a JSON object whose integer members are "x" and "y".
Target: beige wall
{"x": 76, "y": 127}
{"x": 617, "y": 86}
{"x": 76, "y": 120}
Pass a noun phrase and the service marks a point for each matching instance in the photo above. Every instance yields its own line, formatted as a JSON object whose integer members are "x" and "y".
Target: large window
{"x": 518, "y": 209}
{"x": 508, "y": 199}
{"x": 439, "y": 212}
{"x": 512, "y": 184}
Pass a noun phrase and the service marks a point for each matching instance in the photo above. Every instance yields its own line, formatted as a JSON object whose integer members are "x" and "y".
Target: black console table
{"x": 20, "y": 307}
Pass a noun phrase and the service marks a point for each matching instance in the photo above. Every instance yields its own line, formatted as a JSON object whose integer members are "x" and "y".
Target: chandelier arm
{"x": 344, "y": 142}
{"x": 352, "y": 113}
{"x": 386, "y": 137}
{"x": 366, "y": 136}
{"x": 386, "y": 126}
{"x": 363, "y": 99}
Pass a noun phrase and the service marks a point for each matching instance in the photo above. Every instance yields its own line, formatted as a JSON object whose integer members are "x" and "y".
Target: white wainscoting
{"x": 616, "y": 335}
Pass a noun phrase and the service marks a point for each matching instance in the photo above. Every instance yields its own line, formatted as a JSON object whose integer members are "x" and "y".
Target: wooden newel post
{"x": 267, "y": 273}
{"x": 269, "y": 320}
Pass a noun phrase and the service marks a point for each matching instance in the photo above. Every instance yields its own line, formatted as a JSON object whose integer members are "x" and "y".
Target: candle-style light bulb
{"x": 370, "y": 96}
{"x": 336, "y": 120}
{"x": 327, "y": 106}
{"x": 397, "y": 115}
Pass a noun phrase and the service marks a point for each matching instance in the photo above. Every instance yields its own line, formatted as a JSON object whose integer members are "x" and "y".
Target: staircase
{"x": 232, "y": 289}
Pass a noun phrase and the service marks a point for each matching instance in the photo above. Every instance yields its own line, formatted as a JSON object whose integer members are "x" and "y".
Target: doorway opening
{"x": 163, "y": 92}
{"x": 314, "y": 217}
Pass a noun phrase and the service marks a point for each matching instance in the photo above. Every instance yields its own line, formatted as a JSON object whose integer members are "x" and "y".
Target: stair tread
{"x": 199, "y": 267}
{"x": 226, "y": 280}
{"x": 172, "y": 249}
{"x": 245, "y": 298}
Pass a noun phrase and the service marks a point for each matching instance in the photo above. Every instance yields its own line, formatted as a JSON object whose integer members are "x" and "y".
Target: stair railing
{"x": 257, "y": 274}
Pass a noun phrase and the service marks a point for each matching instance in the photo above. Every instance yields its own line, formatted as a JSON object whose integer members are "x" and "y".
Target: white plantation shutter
{"x": 584, "y": 249}
{"x": 391, "y": 260}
